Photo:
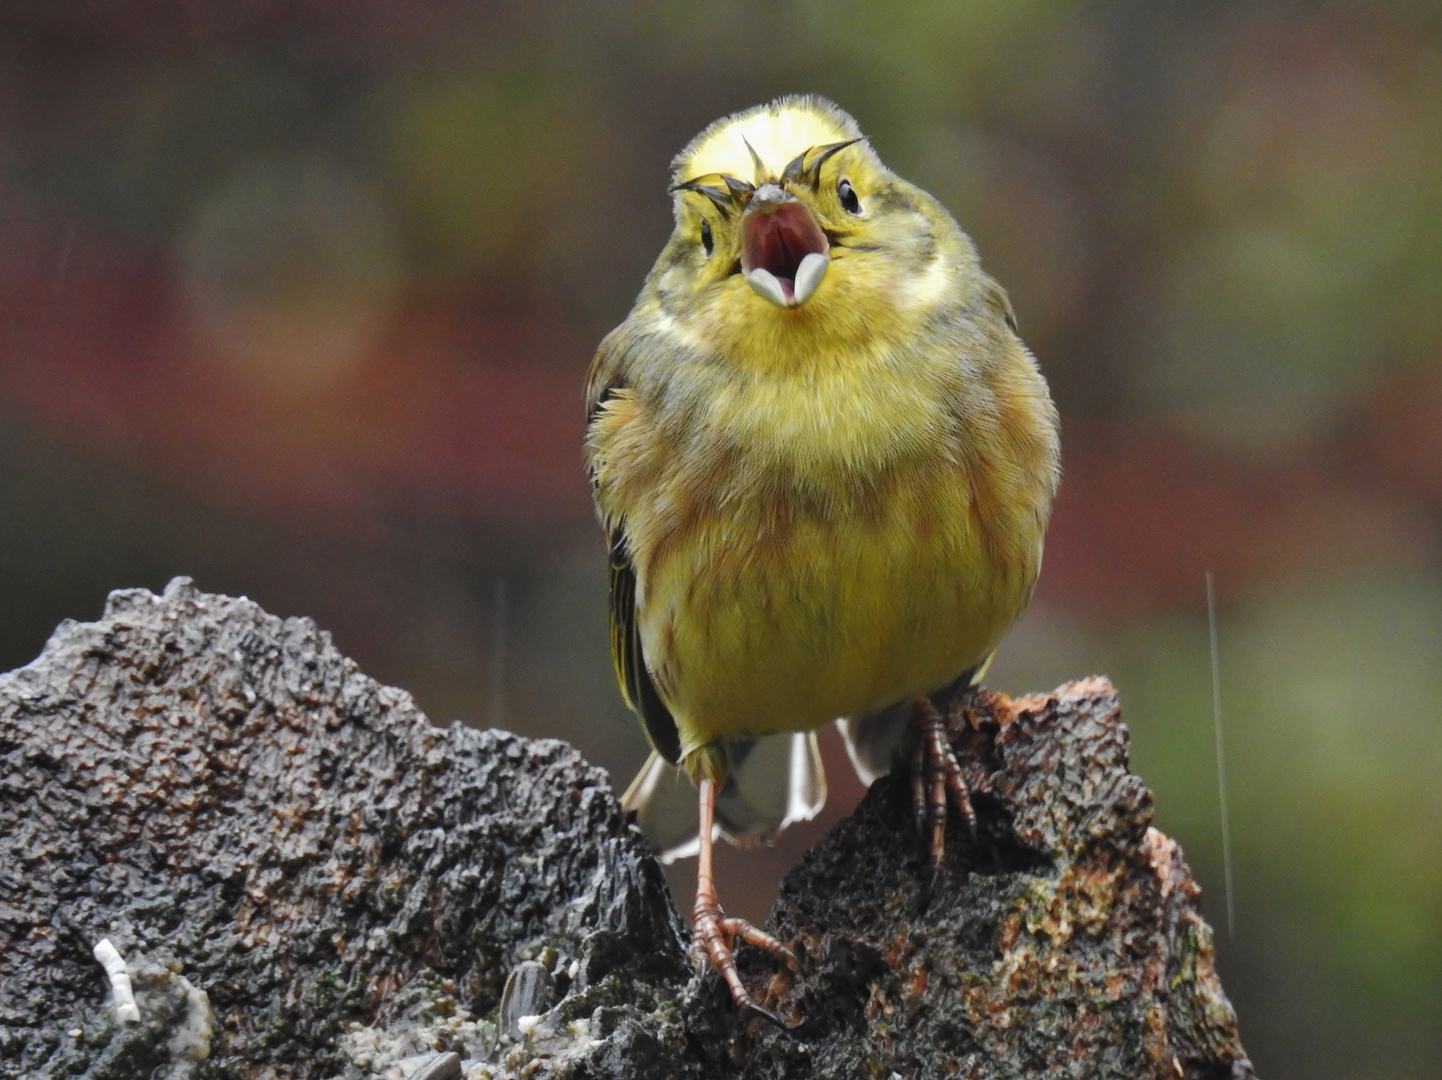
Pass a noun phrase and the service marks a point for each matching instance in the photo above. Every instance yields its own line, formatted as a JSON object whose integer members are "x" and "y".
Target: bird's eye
{"x": 706, "y": 241}
{"x": 847, "y": 194}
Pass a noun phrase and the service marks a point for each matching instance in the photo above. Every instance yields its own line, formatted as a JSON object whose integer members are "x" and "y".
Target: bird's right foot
{"x": 713, "y": 941}
{"x": 714, "y": 934}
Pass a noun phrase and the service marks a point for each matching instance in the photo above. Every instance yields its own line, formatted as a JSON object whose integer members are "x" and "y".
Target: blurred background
{"x": 297, "y": 298}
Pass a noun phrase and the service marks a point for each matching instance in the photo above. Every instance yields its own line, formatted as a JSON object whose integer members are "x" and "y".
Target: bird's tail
{"x": 773, "y": 781}
{"x": 877, "y": 742}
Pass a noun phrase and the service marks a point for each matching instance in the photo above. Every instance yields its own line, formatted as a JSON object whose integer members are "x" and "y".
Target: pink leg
{"x": 713, "y": 934}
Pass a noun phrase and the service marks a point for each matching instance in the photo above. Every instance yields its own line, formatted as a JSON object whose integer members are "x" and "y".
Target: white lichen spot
{"x": 122, "y": 993}
{"x": 192, "y": 1038}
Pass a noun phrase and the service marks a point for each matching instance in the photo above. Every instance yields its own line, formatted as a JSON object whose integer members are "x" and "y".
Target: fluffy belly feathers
{"x": 771, "y": 618}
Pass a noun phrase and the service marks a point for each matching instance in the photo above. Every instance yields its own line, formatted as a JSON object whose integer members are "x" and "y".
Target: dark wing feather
{"x": 608, "y": 376}
{"x": 630, "y": 662}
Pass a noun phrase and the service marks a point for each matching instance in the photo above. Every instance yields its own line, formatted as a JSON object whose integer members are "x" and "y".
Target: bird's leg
{"x": 935, "y": 774}
{"x": 713, "y": 934}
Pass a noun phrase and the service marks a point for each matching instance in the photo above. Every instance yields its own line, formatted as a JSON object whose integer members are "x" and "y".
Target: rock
{"x": 305, "y": 878}
{"x": 1063, "y": 941}
{"x": 217, "y": 790}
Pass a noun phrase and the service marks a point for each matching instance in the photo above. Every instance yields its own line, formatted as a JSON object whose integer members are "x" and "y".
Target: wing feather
{"x": 630, "y": 660}
{"x": 607, "y": 378}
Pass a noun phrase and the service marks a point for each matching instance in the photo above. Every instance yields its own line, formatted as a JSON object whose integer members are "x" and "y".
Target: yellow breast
{"x": 824, "y": 539}
{"x": 761, "y": 625}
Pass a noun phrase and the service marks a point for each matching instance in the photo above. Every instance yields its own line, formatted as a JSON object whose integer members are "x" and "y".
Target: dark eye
{"x": 849, "y": 202}
{"x": 706, "y": 241}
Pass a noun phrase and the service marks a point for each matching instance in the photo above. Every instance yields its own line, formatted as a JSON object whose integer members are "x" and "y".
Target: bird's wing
{"x": 607, "y": 380}
{"x": 629, "y": 659}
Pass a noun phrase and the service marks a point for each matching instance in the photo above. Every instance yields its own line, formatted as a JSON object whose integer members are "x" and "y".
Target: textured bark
{"x": 308, "y": 879}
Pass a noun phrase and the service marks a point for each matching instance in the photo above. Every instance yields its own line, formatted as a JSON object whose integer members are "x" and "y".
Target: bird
{"x": 824, "y": 461}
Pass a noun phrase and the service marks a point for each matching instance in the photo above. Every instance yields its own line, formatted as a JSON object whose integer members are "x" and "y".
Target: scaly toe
{"x": 712, "y": 942}
{"x": 936, "y": 780}
{"x": 761, "y": 939}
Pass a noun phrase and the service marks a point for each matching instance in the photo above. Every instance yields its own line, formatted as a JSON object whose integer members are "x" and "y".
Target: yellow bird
{"x": 825, "y": 462}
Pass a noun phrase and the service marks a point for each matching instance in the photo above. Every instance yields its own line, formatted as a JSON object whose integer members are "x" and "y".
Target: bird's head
{"x": 785, "y": 212}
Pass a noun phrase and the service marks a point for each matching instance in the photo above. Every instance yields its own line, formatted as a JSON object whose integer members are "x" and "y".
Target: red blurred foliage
{"x": 1401, "y": 434}
{"x": 452, "y": 409}
{"x": 179, "y": 28}
{"x": 1144, "y": 514}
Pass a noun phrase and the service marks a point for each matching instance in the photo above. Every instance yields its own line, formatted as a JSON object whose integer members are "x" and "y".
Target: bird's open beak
{"x": 784, "y": 253}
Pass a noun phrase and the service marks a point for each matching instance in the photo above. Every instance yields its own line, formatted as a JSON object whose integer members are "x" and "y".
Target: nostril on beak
{"x": 769, "y": 195}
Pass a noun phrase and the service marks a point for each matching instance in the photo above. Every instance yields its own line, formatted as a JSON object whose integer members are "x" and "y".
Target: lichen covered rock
{"x": 220, "y": 792}
{"x": 305, "y": 878}
{"x": 1062, "y": 941}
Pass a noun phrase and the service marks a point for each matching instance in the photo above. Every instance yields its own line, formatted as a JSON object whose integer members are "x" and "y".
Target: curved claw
{"x": 767, "y": 1014}
{"x": 713, "y": 938}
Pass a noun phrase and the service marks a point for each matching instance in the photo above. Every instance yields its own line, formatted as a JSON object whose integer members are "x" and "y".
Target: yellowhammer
{"x": 825, "y": 461}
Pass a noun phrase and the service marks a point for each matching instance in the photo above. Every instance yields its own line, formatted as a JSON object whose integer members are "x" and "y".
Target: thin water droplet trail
{"x": 1221, "y": 757}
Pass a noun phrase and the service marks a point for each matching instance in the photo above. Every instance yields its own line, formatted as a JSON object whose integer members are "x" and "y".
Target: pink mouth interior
{"x": 777, "y": 240}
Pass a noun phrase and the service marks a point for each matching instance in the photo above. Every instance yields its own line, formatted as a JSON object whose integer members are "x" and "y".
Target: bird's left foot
{"x": 936, "y": 779}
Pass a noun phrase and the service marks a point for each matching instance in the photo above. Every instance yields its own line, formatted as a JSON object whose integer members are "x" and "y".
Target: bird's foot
{"x": 713, "y": 941}
{"x": 936, "y": 779}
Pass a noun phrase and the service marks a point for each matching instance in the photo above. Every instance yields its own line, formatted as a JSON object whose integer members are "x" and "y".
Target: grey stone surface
{"x": 1063, "y": 941}
{"x": 220, "y": 792}
{"x": 308, "y": 879}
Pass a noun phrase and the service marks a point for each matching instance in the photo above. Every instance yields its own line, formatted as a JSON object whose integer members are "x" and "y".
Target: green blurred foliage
{"x": 1333, "y": 749}
{"x": 1314, "y": 256}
